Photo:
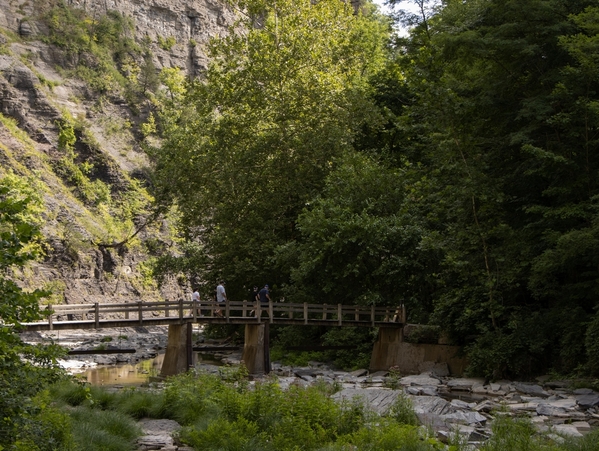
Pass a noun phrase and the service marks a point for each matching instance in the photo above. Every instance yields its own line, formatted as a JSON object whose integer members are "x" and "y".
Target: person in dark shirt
{"x": 264, "y": 296}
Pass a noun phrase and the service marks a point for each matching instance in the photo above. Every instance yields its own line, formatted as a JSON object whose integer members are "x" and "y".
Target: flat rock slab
{"x": 420, "y": 379}
{"x": 432, "y": 404}
{"x": 378, "y": 400}
{"x": 158, "y": 427}
{"x": 464, "y": 383}
{"x": 531, "y": 389}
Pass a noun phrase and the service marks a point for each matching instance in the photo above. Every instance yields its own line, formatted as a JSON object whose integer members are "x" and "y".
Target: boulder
{"x": 587, "y": 401}
{"x": 551, "y": 411}
{"x": 531, "y": 389}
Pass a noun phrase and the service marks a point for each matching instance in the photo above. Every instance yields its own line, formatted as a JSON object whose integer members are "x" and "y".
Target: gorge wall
{"x": 107, "y": 168}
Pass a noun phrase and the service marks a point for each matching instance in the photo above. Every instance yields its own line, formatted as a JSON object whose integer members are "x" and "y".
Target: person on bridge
{"x": 254, "y": 299}
{"x": 195, "y": 297}
{"x": 264, "y": 297}
{"x": 221, "y": 296}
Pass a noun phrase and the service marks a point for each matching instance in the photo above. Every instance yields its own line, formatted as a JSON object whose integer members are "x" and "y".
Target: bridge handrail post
{"x": 181, "y": 308}
{"x": 339, "y": 314}
{"x": 372, "y": 314}
{"x": 258, "y": 310}
{"x": 195, "y": 310}
{"x": 227, "y": 310}
{"x": 127, "y": 310}
{"x": 97, "y": 315}
{"x": 357, "y": 313}
{"x": 271, "y": 311}
{"x": 324, "y": 311}
{"x": 49, "y": 308}
{"x": 244, "y": 309}
{"x": 167, "y": 309}
{"x": 140, "y": 315}
{"x": 305, "y": 313}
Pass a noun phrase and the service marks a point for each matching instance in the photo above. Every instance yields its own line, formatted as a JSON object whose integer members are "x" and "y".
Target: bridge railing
{"x": 237, "y": 311}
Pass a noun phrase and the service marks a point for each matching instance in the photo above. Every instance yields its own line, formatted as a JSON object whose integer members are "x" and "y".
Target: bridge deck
{"x": 99, "y": 315}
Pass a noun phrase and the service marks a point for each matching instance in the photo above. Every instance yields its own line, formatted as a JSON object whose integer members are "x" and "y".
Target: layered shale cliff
{"x": 70, "y": 124}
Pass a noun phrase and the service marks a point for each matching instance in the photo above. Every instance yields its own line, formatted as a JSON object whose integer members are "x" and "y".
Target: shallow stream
{"x": 130, "y": 375}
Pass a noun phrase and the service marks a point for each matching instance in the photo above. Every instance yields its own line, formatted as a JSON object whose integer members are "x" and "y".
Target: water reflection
{"x": 124, "y": 374}
{"x": 134, "y": 374}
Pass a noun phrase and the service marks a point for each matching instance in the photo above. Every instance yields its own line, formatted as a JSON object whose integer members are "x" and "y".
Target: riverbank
{"x": 447, "y": 405}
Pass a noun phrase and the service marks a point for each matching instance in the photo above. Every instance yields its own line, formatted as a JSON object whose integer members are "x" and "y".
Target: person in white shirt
{"x": 195, "y": 297}
{"x": 221, "y": 296}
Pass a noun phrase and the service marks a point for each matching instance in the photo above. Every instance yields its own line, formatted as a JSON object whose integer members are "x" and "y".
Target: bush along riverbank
{"x": 227, "y": 411}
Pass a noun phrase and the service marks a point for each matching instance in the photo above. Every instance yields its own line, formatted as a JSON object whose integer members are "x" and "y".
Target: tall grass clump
{"x": 141, "y": 404}
{"x": 516, "y": 434}
{"x": 589, "y": 442}
{"x": 103, "y": 430}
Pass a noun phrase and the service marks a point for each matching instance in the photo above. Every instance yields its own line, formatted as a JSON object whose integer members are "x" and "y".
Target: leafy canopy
{"x": 246, "y": 147}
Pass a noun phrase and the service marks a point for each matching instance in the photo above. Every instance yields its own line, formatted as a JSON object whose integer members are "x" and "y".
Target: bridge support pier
{"x": 179, "y": 356}
{"x": 387, "y": 349}
{"x": 256, "y": 348}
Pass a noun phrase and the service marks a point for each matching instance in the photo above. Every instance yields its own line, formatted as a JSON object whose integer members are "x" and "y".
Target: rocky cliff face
{"x": 189, "y": 24}
{"x": 38, "y": 96}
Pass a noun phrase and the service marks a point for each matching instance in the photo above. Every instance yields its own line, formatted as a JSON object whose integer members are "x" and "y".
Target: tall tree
{"x": 509, "y": 163}
{"x": 247, "y": 146}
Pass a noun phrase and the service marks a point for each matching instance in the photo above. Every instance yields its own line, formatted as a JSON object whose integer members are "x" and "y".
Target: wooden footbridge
{"x": 181, "y": 315}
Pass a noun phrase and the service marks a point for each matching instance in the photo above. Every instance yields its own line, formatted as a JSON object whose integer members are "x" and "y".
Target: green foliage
{"x": 402, "y": 411}
{"x": 25, "y": 370}
{"x": 423, "y": 334}
{"x": 492, "y": 116}
{"x": 166, "y": 43}
{"x": 249, "y": 145}
{"x": 96, "y": 46}
{"x": 592, "y": 345}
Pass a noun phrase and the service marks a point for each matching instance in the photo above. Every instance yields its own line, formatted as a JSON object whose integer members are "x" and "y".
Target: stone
{"x": 434, "y": 368}
{"x": 359, "y": 373}
{"x": 458, "y": 403}
{"x": 581, "y": 426}
{"x": 465, "y": 418}
{"x": 587, "y": 401}
{"x": 486, "y": 406}
{"x": 567, "y": 430}
{"x": 464, "y": 383}
{"x": 583, "y": 391}
{"x": 379, "y": 374}
{"x": 431, "y": 404}
{"x": 523, "y": 406}
{"x": 531, "y": 389}
{"x": 551, "y": 411}
{"x": 429, "y": 391}
{"x": 378, "y": 400}
{"x": 479, "y": 388}
{"x": 420, "y": 379}
{"x": 300, "y": 372}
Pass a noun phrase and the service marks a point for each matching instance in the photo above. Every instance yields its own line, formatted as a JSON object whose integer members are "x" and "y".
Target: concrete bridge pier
{"x": 179, "y": 356}
{"x": 256, "y": 348}
{"x": 387, "y": 349}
